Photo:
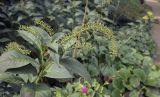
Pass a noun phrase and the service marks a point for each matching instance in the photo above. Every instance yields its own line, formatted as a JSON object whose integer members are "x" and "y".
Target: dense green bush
{"x": 76, "y": 55}
{"x": 52, "y": 59}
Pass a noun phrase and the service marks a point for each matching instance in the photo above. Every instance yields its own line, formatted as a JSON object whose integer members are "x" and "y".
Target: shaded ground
{"x": 155, "y": 5}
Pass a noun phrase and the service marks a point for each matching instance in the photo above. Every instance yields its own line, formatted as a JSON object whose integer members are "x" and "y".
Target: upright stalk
{"x": 22, "y": 4}
{"x": 83, "y": 22}
{"x": 40, "y": 72}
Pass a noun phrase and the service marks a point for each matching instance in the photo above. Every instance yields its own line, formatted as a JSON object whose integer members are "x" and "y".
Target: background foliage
{"x": 36, "y": 65}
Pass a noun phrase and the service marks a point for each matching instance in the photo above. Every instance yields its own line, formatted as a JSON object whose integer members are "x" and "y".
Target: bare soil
{"x": 155, "y": 6}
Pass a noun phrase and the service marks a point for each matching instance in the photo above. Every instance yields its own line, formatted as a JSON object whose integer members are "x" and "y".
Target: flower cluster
{"x": 95, "y": 26}
{"x": 27, "y": 28}
{"x": 15, "y": 46}
{"x": 148, "y": 17}
{"x": 84, "y": 89}
{"x": 45, "y": 26}
{"x": 113, "y": 48}
{"x": 84, "y": 45}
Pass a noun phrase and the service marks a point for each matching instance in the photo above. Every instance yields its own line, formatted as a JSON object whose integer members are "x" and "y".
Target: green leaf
{"x": 53, "y": 47}
{"x": 28, "y": 77}
{"x": 4, "y": 40}
{"x": 13, "y": 59}
{"x": 134, "y": 93}
{"x": 32, "y": 90}
{"x": 76, "y": 3}
{"x": 147, "y": 60}
{"x": 42, "y": 34}
{"x": 58, "y": 71}
{"x": 10, "y": 78}
{"x": 75, "y": 67}
{"x": 35, "y": 41}
{"x": 153, "y": 79}
{"x": 118, "y": 83}
{"x": 134, "y": 81}
{"x": 57, "y": 36}
{"x": 70, "y": 21}
{"x": 93, "y": 70}
{"x": 69, "y": 88}
{"x": 76, "y": 94}
{"x": 124, "y": 74}
{"x": 108, "y": 71}
{"x": 69, "y": 44}
{"x": 27, "y": 69}
{"x": 55, "y": 57}
{"x": 152, "y": 92}
{"x": 140, "y": 74}
{"x": 116, "y": 93}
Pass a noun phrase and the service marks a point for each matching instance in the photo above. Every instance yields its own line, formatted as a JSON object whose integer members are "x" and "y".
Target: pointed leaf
{"x": 55, "y": 57}
{"x": 13, "y": 59}
{"x": 42, "y": 34}
{"x": 27, "y": 69}
{"x": 28, "y": 77}
{"x": 10, "y": 78}
{"x": 58, "y": 71}
{"x": 75, "y": 67}
{"x": 53, "y": 47}
{"x": 57, "y": 36}
{"x": 35, "y": 41}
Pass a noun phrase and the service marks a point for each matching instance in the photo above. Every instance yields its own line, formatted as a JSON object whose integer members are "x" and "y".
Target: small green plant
{"x": 149, "y": 17}
{"x": 135, "y": 81}
{"x": 82, "y": 89}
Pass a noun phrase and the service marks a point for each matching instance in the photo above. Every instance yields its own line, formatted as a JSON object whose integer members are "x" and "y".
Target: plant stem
{"x": 22, "y": 4}
{"x": 41, "y": 59}
{"x": 85, "y": 13}
{"x": 42, "y": 66}
{"x": 83, "y": 22}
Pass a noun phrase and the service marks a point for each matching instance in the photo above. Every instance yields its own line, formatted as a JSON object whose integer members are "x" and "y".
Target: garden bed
{"x": 97, "y": 48}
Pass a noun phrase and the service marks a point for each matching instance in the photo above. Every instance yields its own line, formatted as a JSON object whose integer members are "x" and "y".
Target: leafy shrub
{"x": 138, "y": 37}
{"x": 6, "y": 27}
{"x": 63, "y": 16}
{"x": 134, "y": 82}
{"x": 51, "y": 60}
{"x": 48, "y": 63}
